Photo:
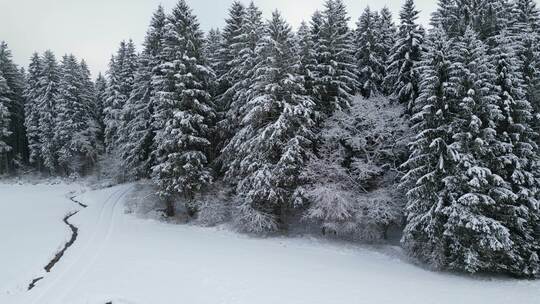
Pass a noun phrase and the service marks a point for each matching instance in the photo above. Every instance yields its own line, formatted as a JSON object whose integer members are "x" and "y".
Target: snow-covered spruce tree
{"x": 229, "y": 52}
{"x": 445, "y": 17}
{"x": 527, "y": 42}
{"x": 138, "y": 128}
{"x": 369, "y": 61}
{"x": 48, "y": 85}
{"x": 268, "y": 152}
{"x": 212, "y": 47}
{"x": 335, "y": 70}
{"x": 100, "y": 89}
{"x": 74, "y": 133}
{"x": 184, "y": 111}
{"x": 431, "y": 158}
{"x": 304, "y": 46}
{"x": 121, "y": 76}
{"x": 402, "y": 74}
{"x": 5, "y": 133}
{"x": 31, "y": 110}
{"x": 516, "y": 161}
{"x": 241, "y": 72}
{"x": 387, "y": 35}
{"x": 90, "y": 146}
{"x": 16, "y": 84}
{"x": 475, "y": 236}
{"x": 351, "y": 184}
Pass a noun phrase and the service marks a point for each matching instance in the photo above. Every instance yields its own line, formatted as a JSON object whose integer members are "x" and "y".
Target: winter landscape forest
{"x": 261, "y": 163}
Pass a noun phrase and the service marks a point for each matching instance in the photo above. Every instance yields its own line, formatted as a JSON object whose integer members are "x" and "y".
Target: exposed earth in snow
{"x": 121, "y": 258}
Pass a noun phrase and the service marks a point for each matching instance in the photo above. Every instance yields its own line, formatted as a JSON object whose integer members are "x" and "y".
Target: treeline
{"x": 353, "y": 129}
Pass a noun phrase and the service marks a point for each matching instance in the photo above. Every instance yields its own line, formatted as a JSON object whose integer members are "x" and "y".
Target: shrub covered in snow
{"x": 351, "y": 187}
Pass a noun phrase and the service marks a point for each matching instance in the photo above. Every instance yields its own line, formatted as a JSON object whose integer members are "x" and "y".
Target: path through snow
{"x": 119, "y": 258}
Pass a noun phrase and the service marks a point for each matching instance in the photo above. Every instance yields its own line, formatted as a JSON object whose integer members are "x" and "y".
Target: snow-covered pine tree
{"x": 268, "y": 152}
{"x": 137, "y": 129}
{"x": 240, "y": 75}
{"x": 184, "y": 110}
{"x": 32, "y": 109}
{"x": 446, "y": 18}
{"x": 16, "y": 84}
{"x": 231, "y": 44}
{"x": 121, "y": 76}
{"x": 474, "y": 237}
{"x": 91, "y": 147}
{"x": 100, "y": 89}
{"x": 527, "y": 42}
{"x": 212, "y": 48}
{"x": 516, "y": 160}
{"x": 431, "y": 160}
{"x": 402, "y": 74}
{"x": 335, "y": 70}
{"x": 304, "y": 46}
{"x": 5, "y": 133}
{"x": 74, "y": 133}
{"x": 387, "y": 35}
{"x": 48, "y": 84}
{"x": 369, "y": 61}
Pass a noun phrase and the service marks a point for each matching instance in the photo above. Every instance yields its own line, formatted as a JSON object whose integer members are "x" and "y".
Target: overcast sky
{"x": 92, "y": 29}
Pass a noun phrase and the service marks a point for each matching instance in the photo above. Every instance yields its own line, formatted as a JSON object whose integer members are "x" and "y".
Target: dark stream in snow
{"x": 60, "y": 254}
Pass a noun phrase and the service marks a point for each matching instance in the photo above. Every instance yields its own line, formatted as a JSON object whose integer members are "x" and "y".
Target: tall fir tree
{"x": 387, "y": 35}
{"x": 137, "y": 129}
{"x": 32, "y": 110}
{"x": 5, "y": 133}
{"x": 516, "y": 159}
{"x": 274, "y": 142}
{"x": 402, "y": 74}
{"x": 334, "y": 71}
{"x": 100, "y": 89}
{"x": 431, "y": 159}
{"x": 16, "y": 84}
{"x": 49, "y": 85}
{"x": 369, "y": 48}
{"x": 121, "y": 76}
{"x": 184, "y": 110}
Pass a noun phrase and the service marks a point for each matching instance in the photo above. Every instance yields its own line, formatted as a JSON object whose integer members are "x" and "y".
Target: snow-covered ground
{"x": 121, "y": 258}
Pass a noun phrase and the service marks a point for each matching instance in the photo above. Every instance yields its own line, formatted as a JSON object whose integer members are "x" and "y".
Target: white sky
{"x": 92, "y": 29}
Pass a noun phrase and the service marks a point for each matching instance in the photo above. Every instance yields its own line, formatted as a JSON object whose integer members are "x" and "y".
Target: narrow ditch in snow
{"x": 60, "y": 254}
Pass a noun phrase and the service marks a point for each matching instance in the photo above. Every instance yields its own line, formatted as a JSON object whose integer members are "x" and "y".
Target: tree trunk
{"x": 169, "y": 207}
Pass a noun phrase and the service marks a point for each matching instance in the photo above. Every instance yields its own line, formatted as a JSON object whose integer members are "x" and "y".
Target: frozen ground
{"x": 120, "y": 258}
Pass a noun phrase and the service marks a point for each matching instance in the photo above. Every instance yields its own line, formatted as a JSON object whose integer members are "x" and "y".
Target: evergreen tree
{"x": 431, "y": 160}
{"x": 446, "y": 18}
{"x": 32, "y": 110}
{"x": 5, "y": 133}
{"x": 475, "y": 237}
{"x": 234, "y": 99}
{"x": 100, "y": 89}
{"x": 307, "y": 57}
{"x": 15, "y": 82}
{"x": 229, "y": 52}
{"x": 387, "y": 35}
{"x": 184, "y": 111}
{"x": 73, "y": 131}
{"x": 48, "y": 85}
{"x": 274, "y": 142}
{"x": 516, "y": 160}
{"x": 368, "y": 45}
{"x": 137, "y": 130}
{"x": 334, "y": 70}
{"x": 402, "y": 74}
{"x": 121, "y": 76}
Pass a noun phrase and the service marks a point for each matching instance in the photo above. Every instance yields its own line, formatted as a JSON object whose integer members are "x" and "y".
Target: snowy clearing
{"x": 120, "y": 258}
